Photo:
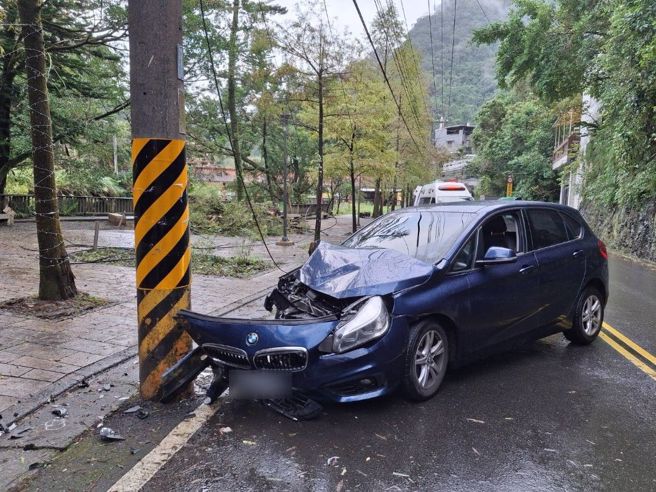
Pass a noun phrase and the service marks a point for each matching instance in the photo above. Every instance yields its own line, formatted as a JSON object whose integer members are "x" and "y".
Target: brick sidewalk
{"x": 41, "y": 357}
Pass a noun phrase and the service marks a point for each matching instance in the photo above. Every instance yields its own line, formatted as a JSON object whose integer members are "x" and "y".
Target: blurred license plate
{"x": 259, "y": 385}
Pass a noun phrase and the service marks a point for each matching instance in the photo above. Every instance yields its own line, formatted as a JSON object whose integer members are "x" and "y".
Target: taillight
{"x": 602, "y": 249}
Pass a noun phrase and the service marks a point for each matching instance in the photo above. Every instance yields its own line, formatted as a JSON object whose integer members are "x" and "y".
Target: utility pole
{"x": 161, "y": 212}
{"x": 285, "y": 240}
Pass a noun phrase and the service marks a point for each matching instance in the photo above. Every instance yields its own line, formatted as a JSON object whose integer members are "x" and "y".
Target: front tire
{"x": 426, "y": 361}
{"x": 588, "y": 317}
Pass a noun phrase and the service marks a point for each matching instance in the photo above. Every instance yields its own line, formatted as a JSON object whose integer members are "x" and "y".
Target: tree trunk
{"x": 353, "y": 196}
{"x": 267, "y": 170}
{"x": 378, "y": 208}
{"x": 56, "y": 280}
{"x": 232, "y": 103}
{"x": 317, "y": 223}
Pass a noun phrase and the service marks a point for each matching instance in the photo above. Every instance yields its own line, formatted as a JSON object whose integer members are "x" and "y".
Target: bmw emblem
{"x": 252, "y": 338}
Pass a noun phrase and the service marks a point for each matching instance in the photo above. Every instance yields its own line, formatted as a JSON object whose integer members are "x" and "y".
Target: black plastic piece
{"x": 182, "y": 373}
{"x": 296, "y": 407}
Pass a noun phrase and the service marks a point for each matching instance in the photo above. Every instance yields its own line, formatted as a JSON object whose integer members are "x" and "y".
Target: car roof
{"x": 483, "y": 207}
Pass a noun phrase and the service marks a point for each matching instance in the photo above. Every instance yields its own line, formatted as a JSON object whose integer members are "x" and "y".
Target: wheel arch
{"x": 599, "y": 285}
{"x": 451, "y": 330}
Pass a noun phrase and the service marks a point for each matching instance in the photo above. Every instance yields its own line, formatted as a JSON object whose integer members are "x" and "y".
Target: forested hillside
{"x": 473, "y": 80}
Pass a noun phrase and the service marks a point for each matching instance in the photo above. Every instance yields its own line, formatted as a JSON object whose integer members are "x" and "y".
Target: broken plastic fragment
{"x": 109, "y": 434}
{"x": 60, "y": 412}
{"x": 134, "y": 409}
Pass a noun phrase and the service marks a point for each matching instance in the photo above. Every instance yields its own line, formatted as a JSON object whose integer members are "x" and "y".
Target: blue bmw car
{"x": 414, "y": 292}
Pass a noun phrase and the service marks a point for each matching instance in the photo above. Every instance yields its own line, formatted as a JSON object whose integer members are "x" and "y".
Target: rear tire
{"x": 588, "y": 317}
{"x": 426, "y": 361}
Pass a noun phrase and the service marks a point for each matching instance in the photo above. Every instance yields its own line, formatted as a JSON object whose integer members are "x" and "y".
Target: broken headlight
{"x": 370, "y": 322}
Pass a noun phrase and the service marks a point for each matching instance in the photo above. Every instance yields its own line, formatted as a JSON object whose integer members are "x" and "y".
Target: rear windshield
{"x": 425, "y": 235}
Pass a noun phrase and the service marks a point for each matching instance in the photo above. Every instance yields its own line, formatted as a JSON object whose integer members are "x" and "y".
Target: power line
{"x": 402, "y": 70}
{"x": 227, "y": 128}
{"x": 430, "y": 29}
{"x": 453, "y": 44}
{"x": 412, "y": 48}
{"x": 483, "y": 10}
{"x": 389, "y": 85}
{"x": 442, "y": 49}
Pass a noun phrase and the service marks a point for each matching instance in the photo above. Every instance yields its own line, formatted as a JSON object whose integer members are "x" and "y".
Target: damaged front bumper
{"x": 292, "y": 346}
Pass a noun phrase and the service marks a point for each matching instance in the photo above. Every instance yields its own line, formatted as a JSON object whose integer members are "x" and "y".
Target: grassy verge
{"x": 201, "y": 263}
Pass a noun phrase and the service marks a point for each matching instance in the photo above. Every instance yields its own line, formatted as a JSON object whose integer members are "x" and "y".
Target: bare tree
{"x": 56, "y": 280}
{"x": 320, "y": 59}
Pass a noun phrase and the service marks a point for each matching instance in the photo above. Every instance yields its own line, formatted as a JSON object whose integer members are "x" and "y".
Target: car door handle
{"x": 526, "y": 269}
{"x": 577, "y": 253}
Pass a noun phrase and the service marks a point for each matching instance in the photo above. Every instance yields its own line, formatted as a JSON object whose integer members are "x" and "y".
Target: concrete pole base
{"x": 285, "y": 242}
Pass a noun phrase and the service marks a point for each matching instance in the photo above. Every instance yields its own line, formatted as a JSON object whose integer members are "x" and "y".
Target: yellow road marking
{"x": 630, "y": 343}
{"x": 629, "y": 356}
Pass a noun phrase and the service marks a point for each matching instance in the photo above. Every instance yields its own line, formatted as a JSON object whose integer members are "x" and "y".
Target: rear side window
{"x": 547, "y": 228}
{"x": 574, "y": 227}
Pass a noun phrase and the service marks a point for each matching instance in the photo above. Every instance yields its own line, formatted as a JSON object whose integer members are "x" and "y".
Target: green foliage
{"x": 513, "y": 136}
{"x": 212, "y": 214}
{"x": 606, "y": 49}
{"x": 240, "y": 266}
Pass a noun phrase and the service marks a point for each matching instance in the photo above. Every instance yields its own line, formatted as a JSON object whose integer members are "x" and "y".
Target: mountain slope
{"x": 473, "y": 79}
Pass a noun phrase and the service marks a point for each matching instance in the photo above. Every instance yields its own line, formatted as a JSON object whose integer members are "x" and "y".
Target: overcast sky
{"x": 343, "y": 13}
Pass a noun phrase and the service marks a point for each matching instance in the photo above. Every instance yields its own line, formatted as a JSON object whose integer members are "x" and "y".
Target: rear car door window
{"x": 574, "y": 227}
{"x": 547, "y": 228}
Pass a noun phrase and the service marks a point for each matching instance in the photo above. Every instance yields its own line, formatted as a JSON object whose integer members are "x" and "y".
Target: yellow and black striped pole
{"x": 161, "y": 236}
{"x": 161, "y": 212}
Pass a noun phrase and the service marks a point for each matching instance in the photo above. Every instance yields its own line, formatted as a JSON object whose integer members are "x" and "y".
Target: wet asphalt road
{"x": 546, "y": 417}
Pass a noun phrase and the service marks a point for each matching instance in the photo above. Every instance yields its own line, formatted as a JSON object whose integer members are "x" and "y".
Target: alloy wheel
{"x": 429, "y": 359}
{"x": 591, "y": 315}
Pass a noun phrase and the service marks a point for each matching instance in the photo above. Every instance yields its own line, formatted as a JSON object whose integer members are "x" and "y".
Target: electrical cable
{"x": 430, "y": 30}
{"x": 453, "y": 44}
{"x": 230, "y": 138}
{"x": 387, "y": 81}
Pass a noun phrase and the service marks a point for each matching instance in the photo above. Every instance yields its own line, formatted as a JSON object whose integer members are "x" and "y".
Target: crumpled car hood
{"x": 348, "y": 272}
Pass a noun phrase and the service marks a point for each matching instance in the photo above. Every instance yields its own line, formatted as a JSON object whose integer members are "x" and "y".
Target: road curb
{"x": 26, "y": 407}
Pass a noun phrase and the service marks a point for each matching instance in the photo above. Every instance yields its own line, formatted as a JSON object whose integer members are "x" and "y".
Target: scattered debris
{"x": 134, "y": 409}
{"x": 55, "y": 424}
{"x": 362, "y": 473}
{"x": 476, "y": 421}
{"x": 225, "y": 430}
{"x": 476, "y": 452}
{"x": 109, "y": 434}
{"x": 549, "y": 450}
{"x": 508, "y": 418}
{"x": 35, "y": 465}
{"x": 397, "y": 474}
{"x": 11, "y": 427}
{"x": 83, "y": 384}
{"x": 588, "y": 440}
{"x": 60, "y": 411}
{"x": 19, "y": 434}
{"x": 332, "y": 461}
{"x": 381, "y": 437}
{"x": 249, "y": 443}
{"x": 343, "y": 472}
{"x": 143, "y": 414}
{"x": 107, "y": 387}
{"x": 134, "y": 451}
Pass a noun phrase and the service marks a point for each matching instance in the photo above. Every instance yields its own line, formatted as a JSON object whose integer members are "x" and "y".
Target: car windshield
{"x": 425, "y": 235}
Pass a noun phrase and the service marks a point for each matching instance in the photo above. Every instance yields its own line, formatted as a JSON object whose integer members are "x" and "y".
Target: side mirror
{"x": 497, "y": 255}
